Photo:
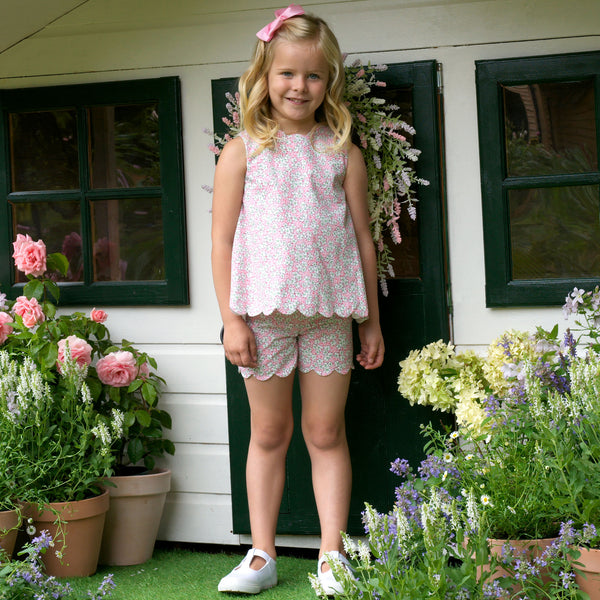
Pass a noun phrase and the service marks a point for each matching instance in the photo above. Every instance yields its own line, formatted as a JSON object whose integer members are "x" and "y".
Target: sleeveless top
{"x": 295, "y": 247}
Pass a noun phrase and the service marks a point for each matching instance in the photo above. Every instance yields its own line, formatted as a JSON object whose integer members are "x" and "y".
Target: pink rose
{"x": 81, "y": 351}
{"x": 144, "y": 371}
{"x": 5, "y": 326}
{"x": 29, "y": 310}
{"x": 98, "y": 316}
{"x": 30, "y": 256}
{"x": 118, "y": 369}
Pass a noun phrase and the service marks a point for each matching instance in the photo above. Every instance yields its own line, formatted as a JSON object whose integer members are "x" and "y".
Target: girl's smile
{"x": 297, "y": 83}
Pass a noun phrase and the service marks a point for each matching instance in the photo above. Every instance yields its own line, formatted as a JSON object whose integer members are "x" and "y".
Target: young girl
{"x": 293, "y": 264}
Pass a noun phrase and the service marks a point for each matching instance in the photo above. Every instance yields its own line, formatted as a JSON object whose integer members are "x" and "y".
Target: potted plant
{"x": 60, "y": 451}
{"x": 73, "y": 354}
{"x": 138, "y": 489}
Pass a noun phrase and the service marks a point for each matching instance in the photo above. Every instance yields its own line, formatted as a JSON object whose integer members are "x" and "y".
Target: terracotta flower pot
{"x": 589, "y": 580}
{"x": 77, "y": 538}
{"x": 9, "y": 521}
{"x": 132, "y": 522}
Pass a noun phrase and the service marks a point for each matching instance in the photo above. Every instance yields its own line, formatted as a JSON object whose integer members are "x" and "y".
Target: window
{"x": 539, "y": 143}
{"x": 96, "y": 171}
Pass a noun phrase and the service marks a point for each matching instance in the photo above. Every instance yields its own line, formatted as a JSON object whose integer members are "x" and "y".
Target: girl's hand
{"x": 240, "y": 344}
{"x": 371, "y": 345}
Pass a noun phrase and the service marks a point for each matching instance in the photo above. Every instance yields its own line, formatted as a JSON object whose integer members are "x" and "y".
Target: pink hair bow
{"x": 268, "y": 31}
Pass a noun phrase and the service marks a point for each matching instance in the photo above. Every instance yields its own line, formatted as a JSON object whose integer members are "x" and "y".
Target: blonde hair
{"x": 255, "y": 106}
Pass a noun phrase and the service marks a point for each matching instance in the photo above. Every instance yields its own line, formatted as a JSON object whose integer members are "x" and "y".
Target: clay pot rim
{"x": 156, "y": 482}
{"x": 71, "y": 510}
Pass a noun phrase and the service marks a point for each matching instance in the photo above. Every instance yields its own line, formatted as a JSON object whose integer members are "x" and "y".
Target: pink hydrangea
{"x": 117, "y": 369}
{"x": 98, "y": 316}
{"x": 30, "y": 256}
{"x": 5, "y": 326}
{"x": 29, "y": 310}
{"x": 81, "y": 351}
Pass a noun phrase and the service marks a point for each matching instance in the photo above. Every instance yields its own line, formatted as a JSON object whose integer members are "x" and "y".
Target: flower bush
{"x": 24, "y": 578}
{"x": 523, "y": 464}
{"x": 80, "y": 404}
{"x": 59, "y": 445}
{"x": 431, "y": 545}
{"x": 381, "y": 134}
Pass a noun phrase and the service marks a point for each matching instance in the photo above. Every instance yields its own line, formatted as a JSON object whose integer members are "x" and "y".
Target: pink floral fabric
{"x": 295, "y": 247}
{"x": 284, "y": 342}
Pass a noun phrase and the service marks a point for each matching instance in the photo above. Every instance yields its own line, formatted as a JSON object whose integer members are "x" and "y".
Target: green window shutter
{"x": 532, "y": 195}
{"x": 146, "y": 204}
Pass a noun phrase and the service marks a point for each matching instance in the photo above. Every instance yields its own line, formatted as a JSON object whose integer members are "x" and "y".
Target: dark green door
{"x": 381, "y": 425}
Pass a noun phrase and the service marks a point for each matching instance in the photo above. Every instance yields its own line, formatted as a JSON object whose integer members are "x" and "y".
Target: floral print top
{"x": 295, "y": 247}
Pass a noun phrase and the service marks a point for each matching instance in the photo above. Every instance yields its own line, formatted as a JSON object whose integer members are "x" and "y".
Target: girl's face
{"x": 297, "y": 82}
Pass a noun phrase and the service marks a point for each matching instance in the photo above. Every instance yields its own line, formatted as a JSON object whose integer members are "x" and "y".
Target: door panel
{"x": 381, "y": 426}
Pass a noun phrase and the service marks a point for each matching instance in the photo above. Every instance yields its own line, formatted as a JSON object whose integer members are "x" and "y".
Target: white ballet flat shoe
{"x": 245, "y": 580}
{"x": 329, "y": 583}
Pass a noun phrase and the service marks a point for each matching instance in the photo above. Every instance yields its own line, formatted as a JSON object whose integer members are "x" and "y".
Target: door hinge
{"x": 440, "y": 78}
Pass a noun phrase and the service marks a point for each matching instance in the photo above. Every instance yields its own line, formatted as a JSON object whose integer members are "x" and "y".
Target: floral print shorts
{"x": 284, "y": 342}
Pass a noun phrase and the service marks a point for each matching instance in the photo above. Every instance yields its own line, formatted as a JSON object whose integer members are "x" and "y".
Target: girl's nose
{"x": 299, "y": 83}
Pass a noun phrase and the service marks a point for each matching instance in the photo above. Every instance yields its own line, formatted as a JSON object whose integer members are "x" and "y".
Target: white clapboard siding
{"x": 197, "y": 418}
{"x": 199, "y": 41}
{"x": 198, "y": 518}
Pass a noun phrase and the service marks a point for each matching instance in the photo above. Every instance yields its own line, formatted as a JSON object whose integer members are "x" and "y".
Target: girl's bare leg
{"x": 271, "y": 426}
{"x": 323, "y": 426}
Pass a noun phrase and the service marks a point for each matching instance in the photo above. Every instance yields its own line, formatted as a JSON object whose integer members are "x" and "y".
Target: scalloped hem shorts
{"x": 284, "y": 342}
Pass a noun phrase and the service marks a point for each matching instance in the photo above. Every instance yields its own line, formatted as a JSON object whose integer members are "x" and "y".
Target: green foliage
{"x": 75, "y": 425}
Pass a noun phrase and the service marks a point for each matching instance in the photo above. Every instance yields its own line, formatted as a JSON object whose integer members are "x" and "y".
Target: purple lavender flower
{"x": 400, "y": 467}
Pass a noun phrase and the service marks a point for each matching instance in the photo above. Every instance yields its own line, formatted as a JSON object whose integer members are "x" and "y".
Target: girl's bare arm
{"x": 355, "y": 186}
{"x": 238, "y": 340}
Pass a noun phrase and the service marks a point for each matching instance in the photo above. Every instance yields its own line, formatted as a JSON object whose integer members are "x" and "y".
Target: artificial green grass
{"x": 193, "y": 574}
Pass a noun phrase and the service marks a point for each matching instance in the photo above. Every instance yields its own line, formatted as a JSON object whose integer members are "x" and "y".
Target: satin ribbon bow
{"x": 268, "y": 31}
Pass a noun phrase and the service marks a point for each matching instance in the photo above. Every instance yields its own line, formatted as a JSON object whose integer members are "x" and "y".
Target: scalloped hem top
{"x": 295, "y": 248}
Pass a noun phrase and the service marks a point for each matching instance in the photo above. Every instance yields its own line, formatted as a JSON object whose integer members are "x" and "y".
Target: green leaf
{"x": 136, "y": 384}
{"x": 34, "y": 289}
{"x": 143, "y": 418}
{"x": 57, "y": 262}
{"x": 129, "y": 419}
{"x": 49, "y": 310}
{"x": 135, "y": 450}
{"x": 149, "y": 393}
{"x": 52, "y": 288}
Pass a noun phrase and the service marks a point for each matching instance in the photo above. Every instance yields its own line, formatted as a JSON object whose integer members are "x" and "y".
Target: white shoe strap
{"x": 261, "y": 553}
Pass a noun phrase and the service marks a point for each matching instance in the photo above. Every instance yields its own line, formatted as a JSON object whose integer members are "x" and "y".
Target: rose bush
{"x": 119, "y": 377}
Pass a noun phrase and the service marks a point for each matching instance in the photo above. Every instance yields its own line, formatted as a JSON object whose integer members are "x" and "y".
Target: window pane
{"x": 128, "y": 240}
{"x": 43, "y": 151}
{"x": 555, "y": 232}
{"x": 58, "y": 225}
{"x": 550, "y": 128}
{"x": 124, "y": 146}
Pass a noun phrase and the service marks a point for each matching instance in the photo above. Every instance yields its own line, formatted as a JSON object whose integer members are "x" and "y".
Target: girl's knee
{"x": 324, "y": 436}
{"x": 272, "y": 437}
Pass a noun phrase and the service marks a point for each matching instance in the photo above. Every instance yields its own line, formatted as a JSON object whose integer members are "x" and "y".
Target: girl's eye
{"x": 314, "y": 76}
{"x": 286, "y": 73}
